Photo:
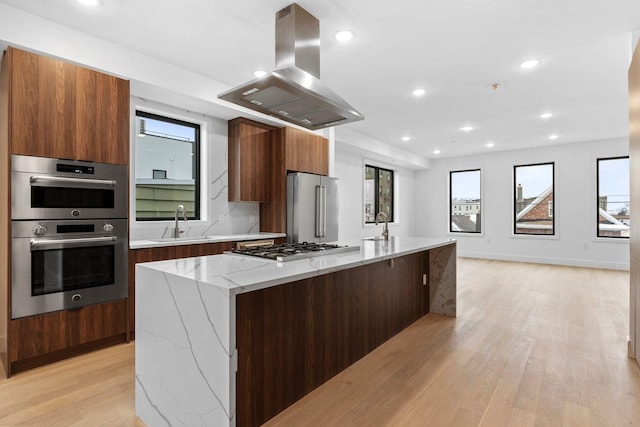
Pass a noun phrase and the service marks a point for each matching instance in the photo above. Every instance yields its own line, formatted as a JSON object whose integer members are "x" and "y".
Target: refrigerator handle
{"x": 321, "y": 210}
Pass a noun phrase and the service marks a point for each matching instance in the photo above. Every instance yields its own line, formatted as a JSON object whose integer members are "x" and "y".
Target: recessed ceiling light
{"x": 344, "y": 35}
{"x": 530, "y": 63}
{"x": 546, "y": 115}
{"x": 490, "y": 144}
{"x": 436, "y": 151}
{"x": 406, "y": 138}
{"x": 260, "y": 73}
{"x": 466, "y": 128}
{"x": 553, "y": 136}
{"x": 419, "y": 92}
{"x": 90, "y": 2}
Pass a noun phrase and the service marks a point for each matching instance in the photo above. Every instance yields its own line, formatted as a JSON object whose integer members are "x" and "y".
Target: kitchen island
{"x": 228, "y": 340}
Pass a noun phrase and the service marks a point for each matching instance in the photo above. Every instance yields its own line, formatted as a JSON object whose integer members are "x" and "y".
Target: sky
{"x": 534, "y": 179}
{"x": 465, "y": 185}
{"x": 158, "y": 127}
{"x": 613, "y": 182}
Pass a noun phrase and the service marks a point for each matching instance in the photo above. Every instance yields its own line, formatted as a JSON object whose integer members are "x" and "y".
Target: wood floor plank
{"x": 533, "y": 345}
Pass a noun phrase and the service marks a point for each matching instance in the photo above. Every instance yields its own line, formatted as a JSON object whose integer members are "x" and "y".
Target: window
{"x": 534, "y": 199}
{"x": 159, "y": 174}
{"x": 378, "y": 193}
{"x": 613, "y": 197}
{"x": 464, "y": 201}
{"x": 167, "y": 167}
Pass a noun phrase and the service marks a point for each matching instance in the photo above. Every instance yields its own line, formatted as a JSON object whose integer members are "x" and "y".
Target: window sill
{"x": 464, "y": 234}
{"x": 617, "y": 240}
{"x": 172, "y": 221}
{"x": 535, "y": 236}
{"x": 381, "y": 224}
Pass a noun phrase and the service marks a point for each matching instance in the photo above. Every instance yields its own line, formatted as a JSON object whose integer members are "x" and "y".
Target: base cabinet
{"x": 293, "y": 337}
{"x": 44, "y": 338}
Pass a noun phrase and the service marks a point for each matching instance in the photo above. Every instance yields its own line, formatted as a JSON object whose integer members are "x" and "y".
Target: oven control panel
{"x": 39, "y": 230}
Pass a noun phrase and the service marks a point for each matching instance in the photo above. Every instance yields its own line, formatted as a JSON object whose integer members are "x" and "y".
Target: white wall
{"x": 349, "y": 168}
{"x": 575, "y": 203}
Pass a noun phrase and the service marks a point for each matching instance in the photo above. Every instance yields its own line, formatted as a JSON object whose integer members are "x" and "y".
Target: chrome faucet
{"x": 176, "y": 230}
{"x": 385, "y": 231}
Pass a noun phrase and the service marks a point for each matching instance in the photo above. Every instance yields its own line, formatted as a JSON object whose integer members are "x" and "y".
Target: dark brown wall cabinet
{"x": 294, "y": 337}
{"x": 260, "y": 157}
{"x": 57, "y": 109}
{"x": 303, "y": 151}
{"x": 249, "y": 145}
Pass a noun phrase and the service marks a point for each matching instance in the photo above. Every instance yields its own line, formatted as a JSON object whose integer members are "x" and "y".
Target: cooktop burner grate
{"x": 290, "y": 251}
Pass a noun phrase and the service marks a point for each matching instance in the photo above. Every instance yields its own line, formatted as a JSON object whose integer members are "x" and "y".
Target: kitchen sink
{"x": 375, "y": 238}
{"x": 181, "y": 239}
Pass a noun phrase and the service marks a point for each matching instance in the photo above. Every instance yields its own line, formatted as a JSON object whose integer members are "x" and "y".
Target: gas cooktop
{"x": 293, "y": 251}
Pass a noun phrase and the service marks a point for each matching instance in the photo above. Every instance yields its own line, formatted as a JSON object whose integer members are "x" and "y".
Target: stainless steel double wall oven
{"x": 69, "y": 234}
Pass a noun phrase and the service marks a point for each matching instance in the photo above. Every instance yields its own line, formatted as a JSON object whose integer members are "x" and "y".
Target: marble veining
{"x": 217, "y": 182}
{"x": 186, "y": 356}
{"x": 442, "y": 280}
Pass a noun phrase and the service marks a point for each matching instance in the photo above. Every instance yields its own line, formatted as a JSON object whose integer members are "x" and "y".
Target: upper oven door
{"x": 45, "y": 188}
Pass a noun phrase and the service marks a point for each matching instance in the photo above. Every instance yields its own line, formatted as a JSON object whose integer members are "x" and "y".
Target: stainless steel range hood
{"x": 293, "y": 91}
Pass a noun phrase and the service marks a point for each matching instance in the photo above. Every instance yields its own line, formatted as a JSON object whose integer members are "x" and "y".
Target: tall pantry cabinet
{"x": 634, "y": 156}
{"x": 52, "y": 108}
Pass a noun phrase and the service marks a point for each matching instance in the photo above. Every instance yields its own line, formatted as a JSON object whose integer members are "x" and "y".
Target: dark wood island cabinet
{"x": 252, "y": 336}
{"x": 312, "y": 329}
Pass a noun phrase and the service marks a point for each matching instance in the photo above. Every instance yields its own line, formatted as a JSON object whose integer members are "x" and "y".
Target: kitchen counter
{"x": 233, "y": 274}
{"x": 194, "y": 240}
{"x": 186, "y": 359}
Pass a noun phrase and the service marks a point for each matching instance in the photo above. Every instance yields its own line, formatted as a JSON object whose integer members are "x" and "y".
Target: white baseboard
{"x": 573, "y": 262}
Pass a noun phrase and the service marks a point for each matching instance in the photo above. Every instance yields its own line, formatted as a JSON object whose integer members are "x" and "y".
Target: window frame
{"x": 450, "y": 230}
{"x": 598, "y": 236}
{"x": 553, "y": 233}
{"x": 376, "y": 199}
{"x": 196, "y": 161}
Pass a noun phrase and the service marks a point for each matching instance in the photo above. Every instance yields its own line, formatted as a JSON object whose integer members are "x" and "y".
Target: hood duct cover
{"x": 293, "y": 91}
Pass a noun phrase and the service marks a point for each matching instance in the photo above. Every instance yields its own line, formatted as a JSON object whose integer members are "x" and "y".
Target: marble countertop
{"x": 194, "y": 240}
{"x": 234, "y": 274}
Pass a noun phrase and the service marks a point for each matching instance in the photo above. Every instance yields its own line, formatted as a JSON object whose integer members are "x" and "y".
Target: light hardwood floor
{"x": 532, "y": 345}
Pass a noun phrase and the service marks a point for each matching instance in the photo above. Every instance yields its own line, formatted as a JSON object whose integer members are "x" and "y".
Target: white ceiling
{"x": 455, "y": 49}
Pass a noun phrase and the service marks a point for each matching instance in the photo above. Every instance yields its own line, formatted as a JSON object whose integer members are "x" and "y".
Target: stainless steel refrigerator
{"x": 312, "y": 208}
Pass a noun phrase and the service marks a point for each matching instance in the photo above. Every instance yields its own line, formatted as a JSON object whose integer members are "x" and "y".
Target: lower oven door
{"x": 50, "y": 274}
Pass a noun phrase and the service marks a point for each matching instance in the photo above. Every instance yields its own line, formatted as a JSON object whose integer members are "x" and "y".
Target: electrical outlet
{"x": 252, "y": 219}
{"x": 221, "y": 219}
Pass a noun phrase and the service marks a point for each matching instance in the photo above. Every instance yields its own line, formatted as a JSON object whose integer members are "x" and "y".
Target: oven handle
{"x": 39, "y": 243}
{"x": 101, "y": 182}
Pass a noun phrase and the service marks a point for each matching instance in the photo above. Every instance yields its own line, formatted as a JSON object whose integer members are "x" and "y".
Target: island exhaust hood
{"x": 293, "y": 91}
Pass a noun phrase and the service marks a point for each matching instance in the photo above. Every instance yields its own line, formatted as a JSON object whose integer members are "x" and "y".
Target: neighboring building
{"x": 465, "y": 206}
{"x": 465, "y": 223}
{"x": 535, "y": 215}
{"x": 610, "y": 225}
